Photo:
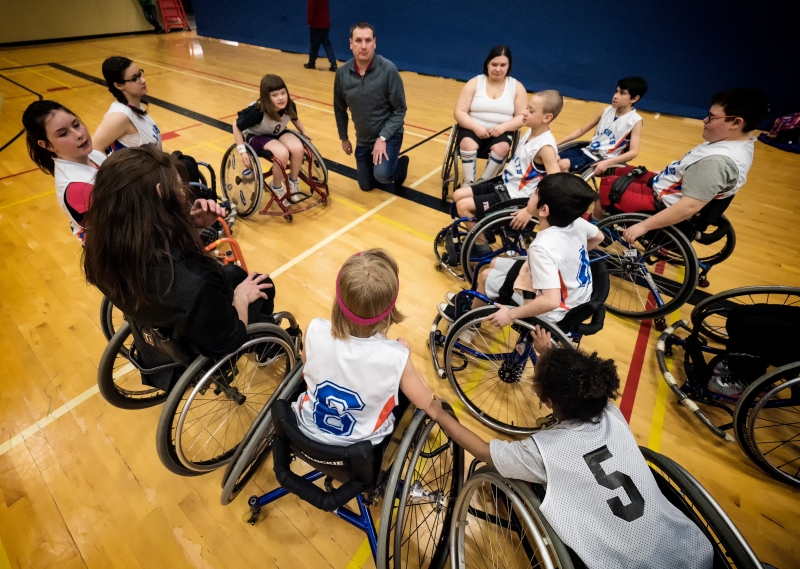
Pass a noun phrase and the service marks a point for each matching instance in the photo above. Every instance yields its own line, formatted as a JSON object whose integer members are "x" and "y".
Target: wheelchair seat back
{"x": 595, "y": 309}
{"x": 356, "y": 466}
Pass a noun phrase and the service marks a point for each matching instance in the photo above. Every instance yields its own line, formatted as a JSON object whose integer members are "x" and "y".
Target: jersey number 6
{"x": 614, "y": 480}
{"x": 332, "y": 406}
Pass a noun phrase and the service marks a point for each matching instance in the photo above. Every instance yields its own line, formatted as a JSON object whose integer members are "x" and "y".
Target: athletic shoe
{"x": 450, "y": 297}
{"x": 447, "y": 311}
{"x": 279, "y": 192}
{"x": 309, "y": 66}
{"x": 401, "y": 171}
{"x": 294, "y": 191}
{"x": 481, "y": 250}
{"x": 332, "y": 67}
{"x": 468, "y": 334}
{"x": 729, "y": 388}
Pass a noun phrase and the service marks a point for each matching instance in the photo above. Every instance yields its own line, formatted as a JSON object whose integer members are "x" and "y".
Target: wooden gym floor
{"x": 80, "y": 481}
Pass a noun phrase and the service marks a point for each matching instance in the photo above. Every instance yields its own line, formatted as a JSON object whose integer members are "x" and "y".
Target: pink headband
{"x": 354, "y": 318}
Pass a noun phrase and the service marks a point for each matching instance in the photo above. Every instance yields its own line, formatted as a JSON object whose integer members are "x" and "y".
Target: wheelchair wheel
{"x": 450, "y": 164}
{"x": 491, "y": 370}
{"x": 685, "y": 493}
{"x": 111, "y": 318}
{"x": 716, "y": 243}
{"x": 766, "y": 425}
{"x": 498, "y": 524}
{"x": 416, "y": 514}
{"x": 214, "y": 404}
{"x": 256, "y": 445}
{"x": 650, "y": 278}
{"x": 495, "y": 229}
{"x": 711, "y": 314}
{"x": 318, "y": 168}
{"x": 242, "y": 191}
{"x": 118, "y": 380}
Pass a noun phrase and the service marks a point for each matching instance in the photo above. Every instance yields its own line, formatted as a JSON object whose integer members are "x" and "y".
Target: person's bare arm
{"x": 520, "y": 103}
{"x": 111, "y": 128}
{"x": 581, "y": 131}
{"x": 301, "y": 128}
{"x": 545, "y": 302}
{"x": 549, "y": 158}
{"x": 414, "y": 385}
{"x": 461, "y": 113}
{"x": 633, "y": 151}
{"x": 460, "y": 434}
{"x": 674, "y": 214}
{"x": 595, "y": 241}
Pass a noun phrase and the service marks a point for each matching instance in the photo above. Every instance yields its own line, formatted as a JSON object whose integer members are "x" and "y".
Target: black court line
{"x": 346, "y": 171}
{"x": 431, "y": 137}
{"x": 20, "y": 133}
{"x": 23, "y": 66}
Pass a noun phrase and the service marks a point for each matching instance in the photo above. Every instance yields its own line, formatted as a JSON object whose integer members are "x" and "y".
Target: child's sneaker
{"x": 480, "y": 250}
{"x": 294, "y": 191}
{"x": 730, "y": 388}
{"x": 450, "y": 297}
{"x": 280, "y": 193}
{"x": 467, "y": 335}
{"x": 447, "y": 311}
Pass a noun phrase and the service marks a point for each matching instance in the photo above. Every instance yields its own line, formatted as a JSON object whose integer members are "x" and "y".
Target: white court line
{"x": 73, "y": 403}
{"x": 425, "y": 177}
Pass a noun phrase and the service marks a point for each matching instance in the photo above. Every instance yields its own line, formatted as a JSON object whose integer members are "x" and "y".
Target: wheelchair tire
{"x": 765, "y": 422}
{"x": 418, "y": 490}
{"x": 111, "y": 318}
{"x": 502, "y": 238}
{"x": 716, "y": 244}
{"x": 256, "y": 445}
{"x": 710, "y": 314}
{"x": 661, "y": 261}
{"x": 506, "y": 388}
{"x": 688, "y": 495}
{"x": 450, "y": 164}
{"x": 319, "y": 170}
{"x": 184, "y": 437}
{"x": 524, "y": 539}
{"x": 119, "y": 381}
{"x": 243, "y": 193}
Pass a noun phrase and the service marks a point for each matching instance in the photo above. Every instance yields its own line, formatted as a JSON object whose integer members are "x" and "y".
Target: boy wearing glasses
{"x": 715, "y": 169}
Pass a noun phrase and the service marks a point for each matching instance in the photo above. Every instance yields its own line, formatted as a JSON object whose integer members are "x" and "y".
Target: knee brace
{"x": 468, "y": 159}
{"x": 492, "y": 165}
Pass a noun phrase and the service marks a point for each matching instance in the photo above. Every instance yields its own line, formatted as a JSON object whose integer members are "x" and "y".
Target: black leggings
{"x": 767, "y": 331}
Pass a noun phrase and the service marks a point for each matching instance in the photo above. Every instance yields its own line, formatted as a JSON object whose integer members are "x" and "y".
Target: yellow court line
{"x": 382, "y": 218}
{"x": 210, "y": 144}
{"x": 28, "y": 199}
{"x": 4, "y": 562}
{"x": 33, "y": 70}
{"x": 361, "y": 557}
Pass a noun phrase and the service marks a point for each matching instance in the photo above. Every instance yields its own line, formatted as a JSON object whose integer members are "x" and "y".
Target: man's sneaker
{"x": 450, "y": 297}
{"x": 729, "y": 388}
{"x": 447, "y": 311}
{"x": 480, "y": 250}
{"x": 333, "y": 67}
{"x": 294, "y": 191}
{"x": 309, "y": 66}
{"x": 401, "y": 171}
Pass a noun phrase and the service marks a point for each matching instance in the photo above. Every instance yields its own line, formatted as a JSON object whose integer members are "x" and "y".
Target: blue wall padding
{"x": 686, "y": 50}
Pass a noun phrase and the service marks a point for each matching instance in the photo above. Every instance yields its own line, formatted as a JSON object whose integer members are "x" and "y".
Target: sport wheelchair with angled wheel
{"x": 763, "y": 405}
{"x": 450, "y": 176}
{"x": 587, "y": 172}
{"x": 491, "y": 369}
{"x": 245, "y": 186}
{"x": 499, "y": 523}
{"x": 417, "y": 471}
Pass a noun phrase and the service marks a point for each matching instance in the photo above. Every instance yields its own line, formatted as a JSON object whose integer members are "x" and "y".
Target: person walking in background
{"x": 149, "y": 9}
{"x": 319, "y": 23}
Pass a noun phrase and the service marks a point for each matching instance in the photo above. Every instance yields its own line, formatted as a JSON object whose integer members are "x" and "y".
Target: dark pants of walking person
{"x": 319, "y": 36}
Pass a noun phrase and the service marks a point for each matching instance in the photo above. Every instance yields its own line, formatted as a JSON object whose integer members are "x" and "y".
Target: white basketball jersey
{"x": 521, "y": 176}
{"x": 268, "y": 125}
{"x": 67, "y": 172}
{"x": 489, "y": 112}
{"x": 613, "y": 135}
{"x": 351, "y": 386}
{"x": 146, "y": 130}
{"x": 603, "y": 501}
{"x": 667, "y": 185}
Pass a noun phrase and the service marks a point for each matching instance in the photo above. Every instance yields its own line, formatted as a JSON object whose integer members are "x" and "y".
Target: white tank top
{"x": 67, "y": 172}
{"x": 351, "y": 386}
{"x": 146, "y": 130}
{"x": 603, "y": 501}
{"x": 613, "y": 135}
{"x": 667, "y": 185}
{"x": 489, "y": 112}
{"x": 521, "y": 176}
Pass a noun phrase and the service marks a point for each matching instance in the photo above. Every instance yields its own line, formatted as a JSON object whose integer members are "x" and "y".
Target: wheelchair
{"x": 491, "y": 369}
{"x": 245, "y": 187}
{"x": 587, "y": 172}
{"x": 417, "y": 471}
{"x": 499, "y": 524}
{"x": 764, "y": 417}
{"x": 450, "y": 176}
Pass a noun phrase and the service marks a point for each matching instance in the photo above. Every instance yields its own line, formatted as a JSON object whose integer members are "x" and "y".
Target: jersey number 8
{"x": 332, "y": 406}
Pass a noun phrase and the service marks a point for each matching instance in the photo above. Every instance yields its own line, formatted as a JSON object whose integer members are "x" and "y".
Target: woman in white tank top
{"x": 126, "y": 124}
{"x": 488, "y": 111}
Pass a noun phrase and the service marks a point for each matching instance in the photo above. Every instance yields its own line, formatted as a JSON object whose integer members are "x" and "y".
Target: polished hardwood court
{"x": 86, "y": 489}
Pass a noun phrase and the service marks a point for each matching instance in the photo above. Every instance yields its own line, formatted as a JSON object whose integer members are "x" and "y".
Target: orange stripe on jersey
{"x": 385, "y": 412}
{"x": 673, "y": 189}
{"x": 303, "y": 400}
{"x": 564, "y": 292}
{"x": 622, "y": 141}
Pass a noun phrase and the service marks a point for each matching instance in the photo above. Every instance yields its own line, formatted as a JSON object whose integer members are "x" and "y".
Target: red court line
{"x": 185, "y": 127}
{"x": 19, "y": 173}
{"x": 62, "y": 88}
{"x": 635, "y": 371}
{"x": 169, "y": 135}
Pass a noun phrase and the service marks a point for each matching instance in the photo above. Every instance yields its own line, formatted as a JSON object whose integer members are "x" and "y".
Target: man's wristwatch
{"x": 383, "y": 138}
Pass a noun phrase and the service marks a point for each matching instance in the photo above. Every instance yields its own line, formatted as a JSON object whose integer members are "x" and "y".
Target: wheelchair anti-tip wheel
{"x": 242, "y": 186}
{"x": 214, "y": 403}
{"x": 498, "y": 524}
{"x": 766, "y": 423}
{"x": 491, "y": 370}
{"x": 426, "y": 476}
{"x": 650, "y": 278}
{"x": 119, "y": 381}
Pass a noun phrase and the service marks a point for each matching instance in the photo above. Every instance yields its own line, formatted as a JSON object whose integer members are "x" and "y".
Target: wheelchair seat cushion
{"x": 595, "y": 309}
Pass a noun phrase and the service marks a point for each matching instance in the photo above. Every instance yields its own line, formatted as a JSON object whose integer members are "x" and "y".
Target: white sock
{"x": 279, "y": 191}
{"x": 468, "y": 158}
{"x": 492, "y": 165}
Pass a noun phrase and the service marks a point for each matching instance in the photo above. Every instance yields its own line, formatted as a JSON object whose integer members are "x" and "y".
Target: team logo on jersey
{"x": 584, "y": 277}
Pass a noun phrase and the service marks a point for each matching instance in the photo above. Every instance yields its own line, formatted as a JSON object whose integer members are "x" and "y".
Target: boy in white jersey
{"x": 556, "y": 276}
{"x": 601, "y": 498}
{"x": 716, "y": 169}
{"x": 616, "y": 139}
{"x": 536, "y": 155}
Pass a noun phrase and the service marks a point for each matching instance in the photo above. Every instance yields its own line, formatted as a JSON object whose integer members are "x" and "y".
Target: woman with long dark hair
{"x": 143, "y": 252}
{"x": 127, "y": 123}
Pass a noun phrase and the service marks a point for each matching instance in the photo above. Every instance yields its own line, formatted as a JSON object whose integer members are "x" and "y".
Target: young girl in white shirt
{"x": 356, "y": 377}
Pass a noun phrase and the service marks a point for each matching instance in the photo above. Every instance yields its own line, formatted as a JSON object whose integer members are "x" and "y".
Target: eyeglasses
{"x": 709, "y": 117}
{"x": 136, "y": 78}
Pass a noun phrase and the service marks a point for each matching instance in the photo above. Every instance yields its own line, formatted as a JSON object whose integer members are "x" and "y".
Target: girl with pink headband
{"x": 359, "y": 382}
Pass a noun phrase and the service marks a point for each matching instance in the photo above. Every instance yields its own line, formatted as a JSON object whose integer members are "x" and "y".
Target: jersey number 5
{"x": 331, "y": 409}
{"x": 614, "y": 480}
